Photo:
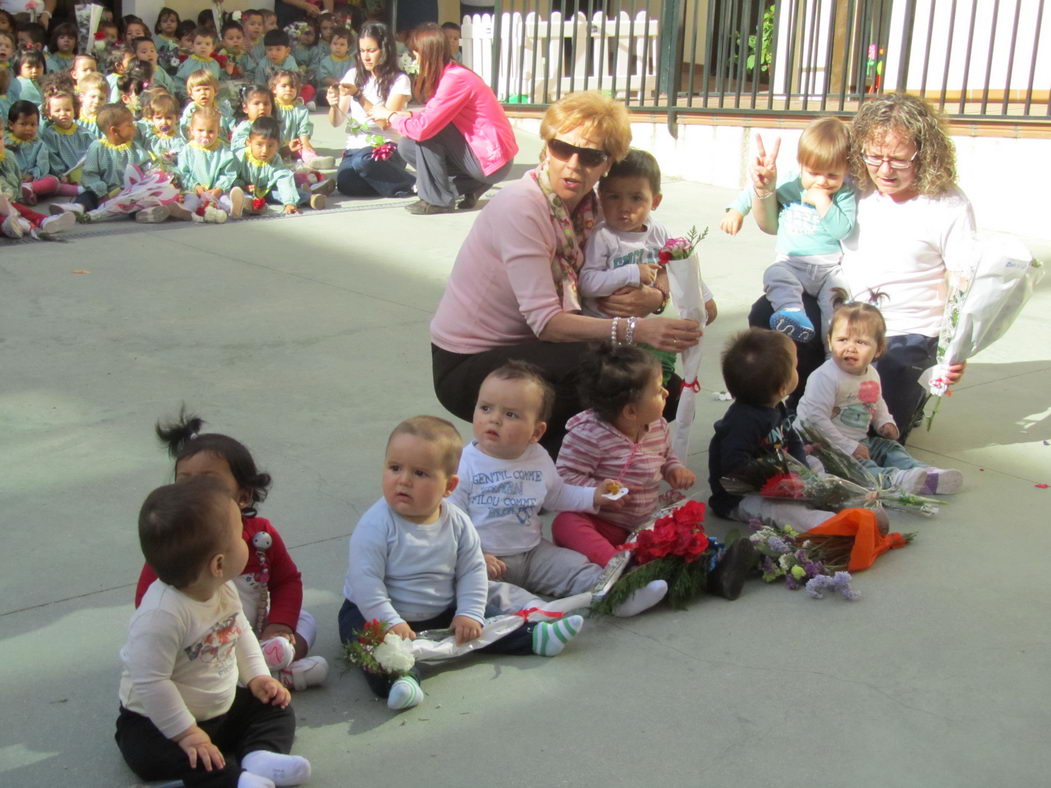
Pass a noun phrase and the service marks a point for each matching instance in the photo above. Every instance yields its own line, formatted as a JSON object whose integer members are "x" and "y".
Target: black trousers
{"x": 458, "y": 377}
{"x": 248, "y": 726}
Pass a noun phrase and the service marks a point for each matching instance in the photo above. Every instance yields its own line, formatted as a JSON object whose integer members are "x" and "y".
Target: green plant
{"x": 765, "y": 47}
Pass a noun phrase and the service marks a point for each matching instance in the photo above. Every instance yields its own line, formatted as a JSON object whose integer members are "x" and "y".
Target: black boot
{"x": 727, "y": 579}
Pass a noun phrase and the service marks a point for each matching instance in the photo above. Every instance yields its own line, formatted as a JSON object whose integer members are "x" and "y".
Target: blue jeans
{"x": 360, "y": 175}
{"x": 886, "y": 453}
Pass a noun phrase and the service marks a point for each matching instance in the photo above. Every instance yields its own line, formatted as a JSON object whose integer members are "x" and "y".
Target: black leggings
{"x": 458, "y": 377}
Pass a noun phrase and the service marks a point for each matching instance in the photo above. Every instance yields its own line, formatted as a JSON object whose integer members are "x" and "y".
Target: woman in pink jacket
{"x": 460, "y": 142}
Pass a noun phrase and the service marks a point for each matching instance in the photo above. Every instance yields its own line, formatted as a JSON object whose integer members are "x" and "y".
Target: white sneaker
{"x": 11, "y": 227}
{"x": 303, "y": 673}
{"x": 322, "y": 163}
{"x": 943, "y": 481}
{"x": 154, "y": 215}
{"x": 237, "y": 202}
{"x": 318, "y": 202}
{"x": 58, "y": 224}
{"x": 912, "y": 480}
{"x": 59, "y": 208}
{"x": 278, "y": 652}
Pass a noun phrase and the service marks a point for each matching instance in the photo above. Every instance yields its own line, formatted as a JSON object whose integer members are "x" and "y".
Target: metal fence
{"x": 976, "y": 59}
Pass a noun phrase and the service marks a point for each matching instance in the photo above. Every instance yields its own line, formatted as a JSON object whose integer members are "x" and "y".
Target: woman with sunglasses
{"x": 915, "y": 233}
{"x": 512, "y": 292}
{"x": 461, "y": 142}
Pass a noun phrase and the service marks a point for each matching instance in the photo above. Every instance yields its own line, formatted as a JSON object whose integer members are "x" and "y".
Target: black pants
{"x": 900, "y": 366}
{"x": 350, "y": 621}
{"x": 88, "y": 199}
{"x": 458, "y": 377}
{"x": 446, "y": 167}
{"x": 248, "y": 726}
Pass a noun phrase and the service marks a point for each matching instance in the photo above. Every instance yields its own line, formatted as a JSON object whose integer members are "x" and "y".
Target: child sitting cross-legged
{"x": 623, "y": 436}
{"x": 197, "y": 702}
{"x": 24, "y": 143}
{"x": 67, "y": 143}
{"x": 265, "y": 176}
{"x": 16, "y": 219}
{"x": 159, "y": 129}
{"x": 505, "y": 479}
{"x": 294, "y": 118}
{"x": 208, "y": 171}
{"x": 843, "y": 400}
{"x": 199, "y": 59}
{"x": 416, "y": 562}
{"x": 203, "y": 89}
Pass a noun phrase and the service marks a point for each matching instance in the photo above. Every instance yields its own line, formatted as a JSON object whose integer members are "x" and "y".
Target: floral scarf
{"x": 572, "y": 233}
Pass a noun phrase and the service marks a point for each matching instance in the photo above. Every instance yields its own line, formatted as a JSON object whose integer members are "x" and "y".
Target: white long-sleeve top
{"x": 841, "y": 406}
{"x": 183, "y": 658}
{"x": 503, "y": 497}
{"x": 403, "y": 571}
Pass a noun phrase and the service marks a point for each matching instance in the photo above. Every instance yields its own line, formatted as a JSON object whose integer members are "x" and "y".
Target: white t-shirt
{"x": 183, "y": 658}
{"x": 359, "y": 124}
{"x": 903, "y": 250}
{"x": 841, "y": 406}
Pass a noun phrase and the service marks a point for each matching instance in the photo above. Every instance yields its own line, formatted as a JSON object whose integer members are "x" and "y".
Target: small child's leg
{"x": 46, "y": 186}
{"x": 68, "y": 190}
{"x": 739, "y": 560}
{"x": 785, "y": 293}
{"x": 153, "y": 756}
{"x": 405, "y": 693}
{"x": 592, "y": 536}
{"x": 279, "y": 768}
{"x": 643, "y": 599}
{"x": 551, "y": 637}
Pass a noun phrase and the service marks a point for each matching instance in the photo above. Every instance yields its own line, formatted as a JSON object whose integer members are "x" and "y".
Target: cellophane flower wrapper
{"x": 88, "y": 16}
{"x": 684, "y": 279}
{"x": 839, "y": 464}
{"x": 143, "y": 188}
{"x": 439, "y": 645}
{"x": 980, "y": 312}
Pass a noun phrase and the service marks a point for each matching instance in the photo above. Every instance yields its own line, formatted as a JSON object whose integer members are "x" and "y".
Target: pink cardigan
{"x": 464, "y": 100}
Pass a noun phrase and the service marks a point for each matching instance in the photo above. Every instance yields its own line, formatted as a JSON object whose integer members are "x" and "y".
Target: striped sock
{"x": 404, "y": 694}
{"x": 550, "y": 637}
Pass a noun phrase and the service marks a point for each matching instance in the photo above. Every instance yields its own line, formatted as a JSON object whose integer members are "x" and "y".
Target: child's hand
{"x": 216, "y": 193}
{"x": 764, "y": 173}
{"x": 290, "y": 209}
{"x": 199, "y": 190}
{"x": 648, "y": 273}
{"x": 198, "y": 746}
{"x": 605, "y": 487}
{"x": 680, "y": 477}
{"x": 494, "y": 567}
{"x": 819, "y": 198}
{"x": 403, "y": 630}
{"x": 861, "y": 452}
{"x": 278, "y": 631}
{"x": 267, "y": 689}
{"x": 711, "y": 311}
{"x": 466, "y": 629}
{"x": 295, "y": 145}
{"x": 889, "y": 430}
{"x": 731, "y": 223}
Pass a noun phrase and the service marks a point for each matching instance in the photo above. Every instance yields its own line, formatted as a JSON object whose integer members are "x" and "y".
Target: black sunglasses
{"x": 589, "y": 157}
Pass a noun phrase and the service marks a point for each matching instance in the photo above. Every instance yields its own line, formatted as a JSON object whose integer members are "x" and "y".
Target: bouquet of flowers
{"x": 679, "y": 257}
{"x": 376, "y": 650}
{"x": 296, "y": 30}
{"x": 143, "y": 188}
{"x": 408, "y": 63}
{"x": 981, "y": 310}
{"x": 674, "y": 548}
{"x": 382, "y": 148}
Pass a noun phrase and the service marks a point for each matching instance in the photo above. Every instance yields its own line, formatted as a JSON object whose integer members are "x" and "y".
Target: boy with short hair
{"x": 239, "y": 62}
{"x": 200, "y": 58}
{"x": 505, "y": 479}
{"x": 759, "y": 369}
{"x": 416, "y": 562}
{"x": 265, "y": 176}
{"x": 144, "y": 49}
{"x": 189, "y": 644}
{"x": 278, "y": 57}
{"x": 336, "y": 63}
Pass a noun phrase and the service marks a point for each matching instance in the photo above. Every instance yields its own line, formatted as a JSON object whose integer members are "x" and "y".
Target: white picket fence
{"x": 542, "y": 58}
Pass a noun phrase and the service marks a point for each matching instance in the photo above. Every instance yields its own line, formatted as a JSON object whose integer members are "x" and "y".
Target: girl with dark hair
{"x": 62, "y": 47}
{"x": 271, "y": 588}
{"x": 461, "y": 142}
{"x": 374, "y": 82}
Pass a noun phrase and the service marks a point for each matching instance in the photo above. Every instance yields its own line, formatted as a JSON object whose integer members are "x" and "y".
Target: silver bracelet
{"x": 630, "y": 338}
{"x": 613, "y": 332}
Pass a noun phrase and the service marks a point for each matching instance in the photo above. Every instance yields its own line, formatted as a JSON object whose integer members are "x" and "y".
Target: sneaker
{"x": 323, "y": 163}
{"x": 11, "y": 227}
{"x": 278, "y": 652}
{"x": 58, "y": 224}
{"x": 913, "y": 480}
{"x": 312, "y": 105}
{"x": 179, "y": 212}
{"x": 237, "y": 202}
{"x": 59, "y": 208}
{"x": 154, "y": 215}
{"x": 727, "y": 579}
{"x": 318, "y": 202}
{"x": 942, "y": 481}
{"x": 28, "y": 195}
{"x": 325, "y": 186}
{"x": 303, "y": 673}
{"x": 405, "y": 693}
{"x": 214, "y": 215}
{"x": 793, "y": 323}
{"x": 424, "y": 208}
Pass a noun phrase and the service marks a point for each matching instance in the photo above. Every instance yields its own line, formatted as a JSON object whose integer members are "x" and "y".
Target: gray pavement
{"x": 306, "y": 338}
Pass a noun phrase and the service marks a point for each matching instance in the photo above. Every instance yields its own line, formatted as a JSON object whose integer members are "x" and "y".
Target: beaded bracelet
{"x": 613, "y": 332}
{"x": 630, "y": 338}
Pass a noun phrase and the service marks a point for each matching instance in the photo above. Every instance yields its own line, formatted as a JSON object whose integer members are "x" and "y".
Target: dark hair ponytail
{"x": 611, "y": 377}
{"x": 184, "y": 439}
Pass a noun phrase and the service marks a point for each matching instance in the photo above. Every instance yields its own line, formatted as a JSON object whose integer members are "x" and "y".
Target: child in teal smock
{"x": 66, "y": 142}
{"x": 265, "y": 177}
{"x": 207, "y": 168}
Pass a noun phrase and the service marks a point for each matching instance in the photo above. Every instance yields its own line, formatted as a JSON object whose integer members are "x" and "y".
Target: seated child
{"x": 256, "y": 102}
{"x": 30, "y": 67}
{"x": 166, "y": 34}
{"x": 82, "y": 66}
{"x": 182, "y": 711}
{"x": 278, "y": 48}
{"x": 252, "y": 22}
{"x": 336, "y": 63}
{"x": 159, "y": 129}
{"x": 265, "y": 176}
{"x": 62, "y": 47}
{"x": 200, "y": 58}
{"x": 92, "y": 92}
{"x": 843, "y": 400}
{"x": 207, "y": 170}
{"x": 623, "y": 436}
{"x": 810, "y": 215}
{"x": 270, "y": 587}
{"x": 24, "y": 143}
{"x": 416, "y": 562}
{"x": 16, "y": 219}
{"x": 5, "y": 98}
{"x": 144, "y": 49}
{"x": 239, "y": 63}
{"x": 505, "y": 479}
{"x": 294, "y": 119}
{"x": 67, "y": 143}
{"x": 203, "y": 89}
{"x": 308, "y": 51}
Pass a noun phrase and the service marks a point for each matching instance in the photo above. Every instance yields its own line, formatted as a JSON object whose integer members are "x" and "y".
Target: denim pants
{"x": 360, "y": 175}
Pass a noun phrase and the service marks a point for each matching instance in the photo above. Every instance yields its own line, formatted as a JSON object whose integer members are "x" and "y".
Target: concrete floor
{"x": 306, "y": 338}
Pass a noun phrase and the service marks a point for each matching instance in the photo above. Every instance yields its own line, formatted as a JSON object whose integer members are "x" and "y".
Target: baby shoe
{"x": 303, "y": 673}
{"x": 59, "y": 208}
{"x": 793, "y": 323}
{"x": 278, "y": 653}
{"x": 318, "y": 202}
{"x": 913, "y": 480}
{"x": 58, "y": 224}
{"x": 942, "y": 481}
{"x": 727, "y": 579}
{"x": 404, "y": 694}
{"x": 28, "y": 195}
{"x": 154, "y": 215}
{"x": 11, "y": 227}
{"x": 643, "y": 599}
{"x": 325, "y": 186}
{"x": 179, "y": 212}
{"x": 237, "y": 202}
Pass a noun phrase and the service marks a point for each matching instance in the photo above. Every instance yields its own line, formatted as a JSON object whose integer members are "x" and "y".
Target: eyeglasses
{"x": 589, "y": 157}
{"x": 895, "y": 164}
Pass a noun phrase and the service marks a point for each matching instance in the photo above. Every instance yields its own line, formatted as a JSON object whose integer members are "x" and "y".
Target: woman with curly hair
{"x": 915, "y": 233}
